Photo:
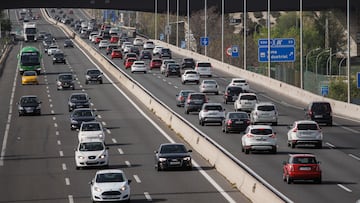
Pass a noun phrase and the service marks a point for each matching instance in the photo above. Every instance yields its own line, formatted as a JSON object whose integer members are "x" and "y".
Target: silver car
{"x": 138, "y": 66}
{"x": 259, "y": 138}
{"x": 211, "y": 113}
{"x": 245, "y": 102}
{"x": 305, "y": 132}
{"x": 209, "y": 86}
{"x": 264, "y": 112}
{"x": 190, "y": 76}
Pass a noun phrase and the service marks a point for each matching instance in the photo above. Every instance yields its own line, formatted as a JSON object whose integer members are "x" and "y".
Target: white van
{"x": 203, "y": 68}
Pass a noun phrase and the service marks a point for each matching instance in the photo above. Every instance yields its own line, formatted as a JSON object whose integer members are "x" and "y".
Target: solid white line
{"x": 137, "y": 179}
{"x": 120, "y": 151}
{"x": 99, "y": 116}
{"x": 67, "y": 181}
{"x": 330, "y": 145}
{"x": 210, "y": 180}
{"x": 113, "y": 140}
{"x": 61, "y": 153}
{"x": 349, "y": 129}
{"x": 64, "y": 167}
{"x": 147, "y": 196}
{"x": 345, "y": 188}
{"x": 9, "y": 118}
{"x": 355, "y": 157}
{"x": 71, "y": 199}
{"x": 128, "y": 163}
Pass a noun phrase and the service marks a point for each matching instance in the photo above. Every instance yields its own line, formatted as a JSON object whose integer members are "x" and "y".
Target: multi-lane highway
{"x": 340, "y": 156}
{"x": 37, "y": 152}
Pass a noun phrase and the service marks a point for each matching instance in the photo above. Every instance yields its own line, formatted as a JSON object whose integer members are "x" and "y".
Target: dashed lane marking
{"x": 147, "y": 196}
{"x": 344, "y": 188}
{"x": 137, "y": 179}
{"x": 120, "y": 151}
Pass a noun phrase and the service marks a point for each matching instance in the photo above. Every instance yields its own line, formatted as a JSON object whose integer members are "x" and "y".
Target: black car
{"x": 65, "y": 81}
{"x": 110, "y": 47}
{"x": 78, "y": 116}
{"x": 235, "y": 122}
{"x": 29, "y": 105}
{"x": 145, "y": 54}
{"x": 165, "y": 53}
{"x": 231, "y": 93}
{"x": 78, "y": 100}
{"x": 319, "y": 111}
{"x": 172, "y": 69}
{"x": 93, "y": 75}
{"x": 68, "y": 43}
{"x": 194, "y": 102}
{"x": 135, "y": 49}
{"x": 181, "y": 97}
{"x": 188, "y": 63}
{"x": 172, "y": 155}
{"x": 59, "y": 57}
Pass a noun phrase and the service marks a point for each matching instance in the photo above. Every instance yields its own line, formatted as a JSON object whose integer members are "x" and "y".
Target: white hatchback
{"x": 91, "y": 152}
{"x": 103, "y": 43}
{"x": 264, "y": 112}
{"x": 245, "y": 102}
{"x": 91, "y": 130}
{"x": 209, "y": 86}
{"x": 190, "y": 76}
{"x": 240, "y": 82}
{"x": 305, "y": 132}
{"x": 204, "y": 68}
{"x": 138, "y": 66}
{"x": 259, "y": 138}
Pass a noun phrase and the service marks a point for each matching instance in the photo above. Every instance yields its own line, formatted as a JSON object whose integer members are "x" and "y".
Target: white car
{"x": 91, "y": 152}
{"x": 149, "y": 45}
{"x": 138, "y": 66}
{"x": 93, "y": 38}
{"x": 245, "y": 102}
{"x": 110, "y": 185}
{"x": 138, "y": 42}
{"x": 209, "y": 86}
{"x": 305, "y": 132}
{"x": 127, "y": 48}
{"x": 124, "y": 45}
{"x": 204, "y": 68}
{"x": 211, "y": 113}
{"x": 240, "y": 82}
{"x": 190, "y": 76}
{"x": 92, "y": 34}
{"x": 259, "y": 138}
{"x": 103, "y": 43}
{"x": 264, "y": 112}
{"x": 157, "y": 50}
{"x": 164, "y": 65}
{"x": 52, "y": 49}
{"x": 92, "y": 129}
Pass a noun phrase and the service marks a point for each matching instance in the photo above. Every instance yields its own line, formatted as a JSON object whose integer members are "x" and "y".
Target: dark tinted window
{"x": 261, "y": 131}
{"x": 173, "y": 149}
{"x": 65, "y": 77}
{"x": 266, "y": 108}
{"x": 197, "y": 96}
{"x": 234, "y": 90}
{"x": 248, "y": 97}
{"x": 321, "y": 107}
{"x": 309, "y": 126}
{"x": 304, "y": 160}
{"x": 93, "y": 72}
{"x": 238, "y": 116}
{"x": 213, "y": 108}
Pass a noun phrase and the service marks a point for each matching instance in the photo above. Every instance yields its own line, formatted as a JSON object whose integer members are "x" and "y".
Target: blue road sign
{"x": 358, "y": 79}
{"x": 281, "y": 50}
{"x": 235, "y": 51}
{"x": 324, "y": 90}
{"x": 204, "y": 41}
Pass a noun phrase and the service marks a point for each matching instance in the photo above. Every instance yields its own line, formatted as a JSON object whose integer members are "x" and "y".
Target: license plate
{"x": 318, "y": 116}
{"x": 239, "y": 122}
{"x": 305, "y": 168}
{"x": 175, "y": 163}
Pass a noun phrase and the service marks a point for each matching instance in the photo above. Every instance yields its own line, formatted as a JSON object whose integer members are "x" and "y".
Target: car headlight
{"x": 97, "y": 189}
{"x": 21, "y": 108}
{"x": 88, "y": 77}
{"x": 187, "y": 158}
{"x": 123, "y": 188}
{"x": 102, "y": 156}
{"x": 101, "y": 135}
{"x": 74, "y": 121}
{"x": 81, "y": 157}
{"x": 162, "y": 159}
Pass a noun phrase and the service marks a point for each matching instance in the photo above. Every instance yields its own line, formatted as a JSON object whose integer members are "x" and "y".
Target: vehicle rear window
{"x": 321, "y": 107}
{"x": 234, "y": 90}
{"x": 238, "y": 116}
{"x": 307, "y": 126}
{"x": 197, "y": 96}
{"x": 191, "y": 72}
{"x": 261, "y": 131}
{"x": 248, "y": 97}
{"x": 209, "y": 82}
{"x": 204, "y": 64}
{"x": 304, "y": 160}
{"x": 266, "y": 108}
{"x": 213, "y": 108}
{"x": 239, "y": 81}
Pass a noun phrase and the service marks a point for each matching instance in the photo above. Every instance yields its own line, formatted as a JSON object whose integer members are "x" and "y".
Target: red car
{"x": 116, "y": 53}
{"x": 301, "y": 167}
{"x": 114, "y": 39}
{"x": 155, "y": 63}
{"x": 128, "y": 62}
{"x": 98, "y": 39}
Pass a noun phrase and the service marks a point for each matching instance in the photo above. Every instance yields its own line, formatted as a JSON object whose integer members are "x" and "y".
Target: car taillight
{"x": 273, "y": 135}
{"x": 310, "y": 113}
{"x": 188, "y": 101}
{"x": 248, "y": 122}
{"x": 249, "y": 135}
{"x": 295, "y": 130}
{"x": 226, "y": 94}
{"x": 181, "y": 98}
{"x": 229, "y": 122}
{"x": 291, "y": 168}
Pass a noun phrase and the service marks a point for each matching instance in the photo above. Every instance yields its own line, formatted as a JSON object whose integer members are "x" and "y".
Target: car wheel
{"x": 225, "y": 102}
{"x": 186, "y": 111}
{"x": 73, "y": 88}
{"x": 274, "y": 150}
{"x": 288, "y": 179}
{"x": 158, "y": 167}
{"x": 292, "y": 145}
{"x": 226, "y": 130}
{"x": 144, "y": 72}
{"x": 247, "y": 151}
{"x": 216, "y": 93}
{"x": 284, "y": 177}
{"x": 77, "y": 167}
{"x": 202, "y": 123}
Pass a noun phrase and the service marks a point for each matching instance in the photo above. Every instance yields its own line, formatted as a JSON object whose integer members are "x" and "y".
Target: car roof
{"x": 109, "y": 171}
{"x": 79, "y": 93}
{"x": 247, "y": 93}
{"x": 83, "y": 109}
{"x": 265, "y": 103}
{"x": 167, "y": 144}
{"x": 212, "y": 104}
{"x": 29, "y": 96}
{"x": 65, "y": 74}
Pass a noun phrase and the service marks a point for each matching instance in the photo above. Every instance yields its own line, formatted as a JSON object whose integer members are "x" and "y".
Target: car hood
{"x": 112, "y": 186}
{"x": 174, "y": 155}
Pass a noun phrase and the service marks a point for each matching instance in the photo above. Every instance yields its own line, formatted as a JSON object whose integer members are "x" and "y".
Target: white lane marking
{"x": 164, "y": 80}
{"x": 52, "y": 112}
{"x": 7, "y": 127}
{"x": 64, "y": 167}
{"x": 113, "y": 140}
{"x": 108, "y": 131}
{"x": 83, "y": 90}
{"x": 92, "y": 104}
{"x": 345, "y": 188}
{"x": 210, "y": 180}
{"x": 99, "y": 116}
{"x": 137, "y": 179}
{"x": 58, "y": 142}
{"x": 176, "y": 87}
{"x": 103, "y": 123}
{"x": 47, "y": 91}
{"x": 54, "y": 118}
{"x": 120, "y": 151}
{"x": 49, "y": 95}
{"x": 349, "y": 129}
{"x": 57, "y": 133}
{"x": 128, "y": 163}
{"x": 330, "y": 145}
{"x": 169, "y": 83}
{"x": 61, "y": 153}
{"x": 55, "y": 125}
{"x": 355, "y": 157}
{"x": 67, "y": 181}
{"x": 147, "y": 196}
{"x": 51, "y": 105}
{"x": 50, "y": 100}
{"x": 9, "y": 118}
{"x": 71, "y": 199}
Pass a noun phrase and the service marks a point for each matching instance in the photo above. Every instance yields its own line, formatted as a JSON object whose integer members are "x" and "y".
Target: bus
{"x": 30, "y": 31}
{"x": 29, "y": 58}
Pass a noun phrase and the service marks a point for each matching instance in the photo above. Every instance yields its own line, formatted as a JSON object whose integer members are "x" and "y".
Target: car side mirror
{"x": 189, "y": 150}
{"x": 156, "y": 152}
{"x": 40, "y": 102}
{"x": 129, "y": 181}
{"x": 275, "y": 133}
{"x": 177, "y": 95}
{"x": 91, "y": 182}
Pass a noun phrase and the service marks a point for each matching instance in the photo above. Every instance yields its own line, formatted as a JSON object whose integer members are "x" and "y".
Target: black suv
{"x": 59, "y": 57}
{"x": 172, "y": 69}
{"x": 93, "y": 75}
{"x": 165, "y": 53}
{"x": 319, "y": 111}
{"x": 188, "y": 63}
{"x": 194, "y": 102}
{"x": 231, "y": 93}
{"x": 65, "y": 81}
{"x": 29, "y": 105}
{"x": 78, "y": 100}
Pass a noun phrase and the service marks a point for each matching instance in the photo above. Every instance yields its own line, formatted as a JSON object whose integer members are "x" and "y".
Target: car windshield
{"x": 90, "y": 127}
{"x": 304, "y": 160}
{"x": 28, "y": 100}
{"x": 91, "y": 146}
{"x": 197, "y": 96}
{"x": 29, "y": 73}
{"x": 248, "y": 97}
{"x": 65, "y": 77}
{"x": 213, "y": 108}
{"x": 78, "y": 97}
{"x": 266, "y": 108}
{"x": 307, "y": 126}
{"x": 93, "y": 72}
{"x": 261, "y": 131}
{"x": 109, "y": 177}
{"x": 83, "y": 113}
{"x": 238, "y": 116}
{"x": 212, "y": 82}
{"x": 167, "y": 149}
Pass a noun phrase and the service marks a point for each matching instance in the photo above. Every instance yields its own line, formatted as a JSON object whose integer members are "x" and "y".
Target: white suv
{"x": 245, "y": 102}
{"x": 211, "y": 113}
{"x": 305, "y": 132}
{"x": 190, "y": 76}
{"x": 264, "y": 112}
{"x": 240, "y": 82}
{"x": 204, "y": 68}
{"x": 259, "y": 138}
{"x": 91, "y": 152}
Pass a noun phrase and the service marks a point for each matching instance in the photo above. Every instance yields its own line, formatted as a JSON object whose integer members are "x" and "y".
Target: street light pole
{"x": 156, "y": 4}
{"x": 168, "y": 22}
{"x": 205, "y": 25}
{"x": 341, "y": 63}
{"x": 222, "y": 31}
{"x": 244, "y": 32}
{"x": 269, "y": 50}
{"x": 348, "y": 47}
{"x": 188, "y": 22}
{"x": 301, "y": 45}
{"x": 316, "y": 62}
{"x": 328, "y": 64}
{"x": 177, "y": 24}
{"x": 307, "y": 58}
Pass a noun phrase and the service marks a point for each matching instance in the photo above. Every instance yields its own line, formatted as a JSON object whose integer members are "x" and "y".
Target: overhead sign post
{"x": 204, "y": 41}
{"x": 281, "y": 50}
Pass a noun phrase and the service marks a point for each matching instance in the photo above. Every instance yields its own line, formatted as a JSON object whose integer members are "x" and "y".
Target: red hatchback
{"x": 98, "y": 39}
{"x": 128, "y": 62}
{"x": 116, "y": 53}
{"x": 155, "y": 63}
{"x": 301, "y": 167}
{"x": 114, "y": 39}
